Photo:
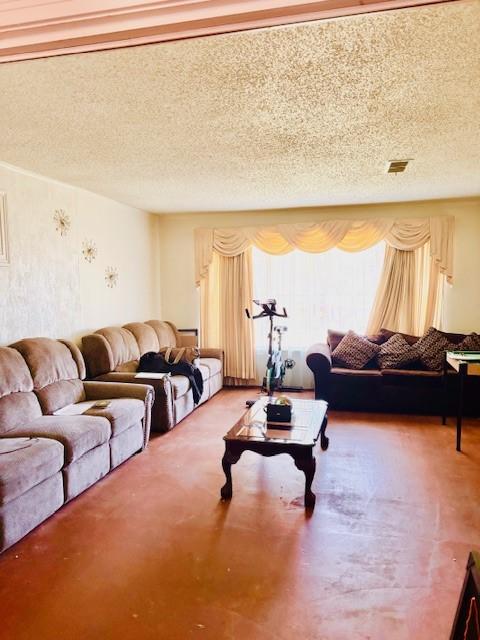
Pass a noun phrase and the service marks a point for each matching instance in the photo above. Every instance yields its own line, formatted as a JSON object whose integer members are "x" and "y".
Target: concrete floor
{"x": 151, "y": 553}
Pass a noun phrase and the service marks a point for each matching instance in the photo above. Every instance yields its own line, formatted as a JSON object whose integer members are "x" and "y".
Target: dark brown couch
{"x": 389, "y": 390}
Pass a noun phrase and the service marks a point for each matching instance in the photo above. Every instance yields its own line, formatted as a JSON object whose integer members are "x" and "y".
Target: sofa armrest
{"x": 319, "y": 360}
{"x": 162, "y": 412}
{"x": 97, "y": 354}
{"x": 212, "y": 353}
{"x": 95, "y": 390}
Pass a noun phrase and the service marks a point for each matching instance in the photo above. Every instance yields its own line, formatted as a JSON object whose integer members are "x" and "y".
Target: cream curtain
{"x": 225, "y": 293}
{"x": 409, "y": 295}
{"x": 405, "y": 234}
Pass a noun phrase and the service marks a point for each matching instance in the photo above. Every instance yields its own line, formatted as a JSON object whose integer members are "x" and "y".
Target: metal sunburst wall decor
{"x": 111, "y": 277}
{"x": 62, "y": 222}
{"x": 89, "y": 250}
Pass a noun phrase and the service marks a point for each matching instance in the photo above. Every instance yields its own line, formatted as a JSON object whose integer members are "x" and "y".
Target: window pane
{"x": 331, "y": 290}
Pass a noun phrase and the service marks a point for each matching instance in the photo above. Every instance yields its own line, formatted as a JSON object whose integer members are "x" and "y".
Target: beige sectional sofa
{"x": 53, "y": 443}
{"x": 112, "y": 355}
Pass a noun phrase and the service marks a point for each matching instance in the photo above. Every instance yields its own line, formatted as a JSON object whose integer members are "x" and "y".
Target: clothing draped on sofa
{"x": 152, "y": 362}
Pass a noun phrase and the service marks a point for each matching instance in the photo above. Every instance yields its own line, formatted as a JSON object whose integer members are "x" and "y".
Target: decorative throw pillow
{"x": 469, "y": 343}
{"x": 354, "y": 351}
{"x": 396, "y": 353}
{"x": 431, "y": 347}
{"x": 334, "y": 338}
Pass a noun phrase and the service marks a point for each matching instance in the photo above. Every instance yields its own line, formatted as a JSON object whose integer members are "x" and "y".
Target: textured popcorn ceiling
{"x": 292, "y": 116}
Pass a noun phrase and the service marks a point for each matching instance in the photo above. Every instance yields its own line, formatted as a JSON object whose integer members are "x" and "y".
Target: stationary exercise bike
{"x": 276, "y": 366}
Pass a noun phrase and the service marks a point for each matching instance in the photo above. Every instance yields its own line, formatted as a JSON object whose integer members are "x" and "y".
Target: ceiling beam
{"x": 42, "y": 28}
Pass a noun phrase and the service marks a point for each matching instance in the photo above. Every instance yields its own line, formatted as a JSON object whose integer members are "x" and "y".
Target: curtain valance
{"x": 406, "y": 234}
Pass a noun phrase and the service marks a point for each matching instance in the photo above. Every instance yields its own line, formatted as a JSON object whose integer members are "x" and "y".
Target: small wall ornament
{"x": 62, "y": 222}
{"x": 111, "y": 277}
{"x": 89, "y": 250}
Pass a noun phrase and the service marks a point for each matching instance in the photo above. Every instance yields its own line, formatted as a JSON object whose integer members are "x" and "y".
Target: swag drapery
{"x": 419, "y": 251}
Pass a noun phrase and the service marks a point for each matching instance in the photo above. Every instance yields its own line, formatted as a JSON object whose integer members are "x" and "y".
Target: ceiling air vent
{"x": 397, "y": 166}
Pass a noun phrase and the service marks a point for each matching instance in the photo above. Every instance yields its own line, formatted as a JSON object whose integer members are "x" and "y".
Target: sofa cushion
{"x": 122, "y": 413}
{"x": 165, "y": 331}
{"x": 14, "y": 373}
{"x": 396, "y": 353}
{"x": 431, "y": 347}
{"x": 124, "y": 347}
{"x": 77, "y": 356}
{"x": 213, "y": 365}
{"x": 48, "y": 360}
{"x": 78, "y": 434}
{"x": 180, "y": 386}
{"x": 387, "y": 334}
{"x": 363, "y": 373}
{"x": 17, "y": 400}
{"x": 413, "y": 380}
{"x": 454, "y": 338}
{"x": 411, "y": 373}
{"x": 55, "y": 373}
{"x": 25, "y": 462}
{"x": 17, "y": 408}
{"x": 145, "y": 336}
{"x": 59, "y": 394}
{"x": 354, "y": 351}
{"x": 205, "y": 371}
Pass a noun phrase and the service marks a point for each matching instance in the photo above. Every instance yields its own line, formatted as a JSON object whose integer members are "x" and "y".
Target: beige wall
{"x": 180, "y": 298}
{"x": 48, "y": 288}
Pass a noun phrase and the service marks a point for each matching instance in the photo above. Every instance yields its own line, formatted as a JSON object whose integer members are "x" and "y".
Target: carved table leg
{"x": 308, "y": 466}
{"x": 228, "y": 459}
{"x": 324, "y": 440}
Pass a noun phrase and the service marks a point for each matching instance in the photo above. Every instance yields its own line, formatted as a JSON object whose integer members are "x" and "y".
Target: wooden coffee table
{"x": 252, "y": 433}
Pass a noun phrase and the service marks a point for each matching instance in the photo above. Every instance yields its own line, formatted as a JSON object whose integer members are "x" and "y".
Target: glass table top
{"x": 304, "y": 429}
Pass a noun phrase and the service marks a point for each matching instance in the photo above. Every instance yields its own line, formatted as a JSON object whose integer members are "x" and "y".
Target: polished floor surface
{"x": 151, "y": 553}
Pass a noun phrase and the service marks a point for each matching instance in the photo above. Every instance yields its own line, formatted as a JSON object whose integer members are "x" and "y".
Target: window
{"x": 331, "y": 290}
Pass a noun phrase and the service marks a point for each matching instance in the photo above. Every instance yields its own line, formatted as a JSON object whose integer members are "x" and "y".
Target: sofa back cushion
{"x": 145, "y": 335}
{"x": 455, "y": 338}
{"x": 452, "y": 338}
{"x": 124, "y": 351}
{"x": 18, "y": 403}
{"x": 410, "y": 339}
{"x": 166, "y": 333}
{"x": 54, "y": 367}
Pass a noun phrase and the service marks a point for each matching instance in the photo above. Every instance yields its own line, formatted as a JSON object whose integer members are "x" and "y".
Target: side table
{"x": 465, "y": 363}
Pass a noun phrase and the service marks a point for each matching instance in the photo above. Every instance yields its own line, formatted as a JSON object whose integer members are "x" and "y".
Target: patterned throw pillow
{"x": 334, "y": 338}
{"x": 396, "y": 353}
{"x": 469, "y": 343}
{"x": 431, "y": 347}
{"x": 354, "y": 351}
